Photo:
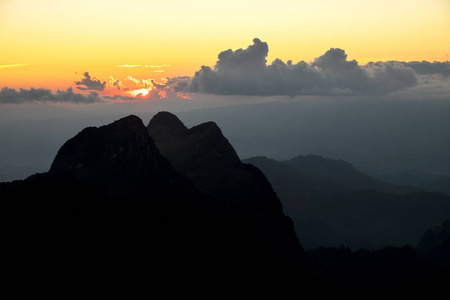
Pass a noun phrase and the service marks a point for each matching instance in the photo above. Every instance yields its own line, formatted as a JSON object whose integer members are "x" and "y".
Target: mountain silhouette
{"x": 205, "y": 156}
{"x": 111, "y": 203}
{"x": 120, "y": 159}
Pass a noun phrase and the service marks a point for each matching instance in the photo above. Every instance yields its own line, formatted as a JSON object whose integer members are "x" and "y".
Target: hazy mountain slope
{"x": 435, "y": 182}
{"x": 342, "y": 175}
{"x": 332, "y": 204}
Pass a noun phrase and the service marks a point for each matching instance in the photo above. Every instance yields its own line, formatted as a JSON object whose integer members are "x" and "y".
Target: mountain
{"x": 341, "y": 175}
{"x": 120, "y": 159}
{"x": 333, "y": 204}
{"x": 204, "y": 155}
{"x": 424, "y": 180}
{"x": 112, "y": 206}
{"x": 114, "y": 215}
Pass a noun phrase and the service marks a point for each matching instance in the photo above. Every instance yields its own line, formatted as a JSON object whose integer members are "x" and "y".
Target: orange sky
{"x": 51, "y": 43}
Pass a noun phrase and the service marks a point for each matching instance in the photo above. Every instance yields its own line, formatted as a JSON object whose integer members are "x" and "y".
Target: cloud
{"x": 136, "y": 81}
{"x": 429, "y": 68}
{"x": 128, "y": 66}
{"x": 9, "y": 95}
{"x": 89, "y": 83}
{"x": 117, "y": 83}
{"x": 151, "y": 66}
{"x": 245, "y": 72}
{"x": 429, "y": 87}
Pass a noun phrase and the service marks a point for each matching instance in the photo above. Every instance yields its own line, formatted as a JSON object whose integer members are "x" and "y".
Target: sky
{"x": 367, "y": 75}
{"x": 120, "y": 50}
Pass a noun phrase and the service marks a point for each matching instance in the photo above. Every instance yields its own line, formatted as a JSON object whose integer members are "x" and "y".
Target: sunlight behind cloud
{"x": 143, "y": 92}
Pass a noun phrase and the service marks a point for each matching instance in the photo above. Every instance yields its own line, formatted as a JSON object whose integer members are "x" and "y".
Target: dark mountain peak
{"x": 129, "y": 122}
{"x": 207, "y": 128}
{"x": 165, "y": 125}
{"x": 115, "y": 156}
{"x": 202, "y": 146}
{"x": 212, "y": 144}
{"x": 204, "y": 155}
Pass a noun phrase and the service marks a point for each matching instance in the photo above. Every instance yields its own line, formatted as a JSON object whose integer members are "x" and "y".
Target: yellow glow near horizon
{"x": 143, "y": 92}
{"x": 12, "y": 66}
{"x": 54, "y": 39}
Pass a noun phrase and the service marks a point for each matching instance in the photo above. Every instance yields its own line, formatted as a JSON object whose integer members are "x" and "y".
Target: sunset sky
{"x": 123, "y": 45}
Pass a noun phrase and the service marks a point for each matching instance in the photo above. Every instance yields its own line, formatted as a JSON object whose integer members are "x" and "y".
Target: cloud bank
{"x": 245, "y": 72}
{"x": 429, "y": 68}
{"x": 9, "y": 95}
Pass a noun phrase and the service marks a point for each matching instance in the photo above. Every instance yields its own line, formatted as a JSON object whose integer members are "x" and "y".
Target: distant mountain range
{"x": 420, "y": 179}
{"x": 334, "y": 204}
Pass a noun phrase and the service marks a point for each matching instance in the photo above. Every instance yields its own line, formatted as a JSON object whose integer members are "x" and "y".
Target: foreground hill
{"x": 112, "y": 206}
{"x": 333, "y": 204}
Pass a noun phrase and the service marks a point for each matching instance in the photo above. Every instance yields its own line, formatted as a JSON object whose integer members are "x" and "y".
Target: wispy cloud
{"x": 9, "y": 95}
{"x": 150, "y": 66}
{"x": 145, "y": 66}
{"x": 12, "y": 66}
{"x": 128, "y": 66}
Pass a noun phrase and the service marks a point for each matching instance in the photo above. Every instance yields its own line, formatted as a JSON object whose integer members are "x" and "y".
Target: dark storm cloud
{"x": 9, "y": 95}
{"x": 245, "y": 72}
{"x": 89, "y": 83}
